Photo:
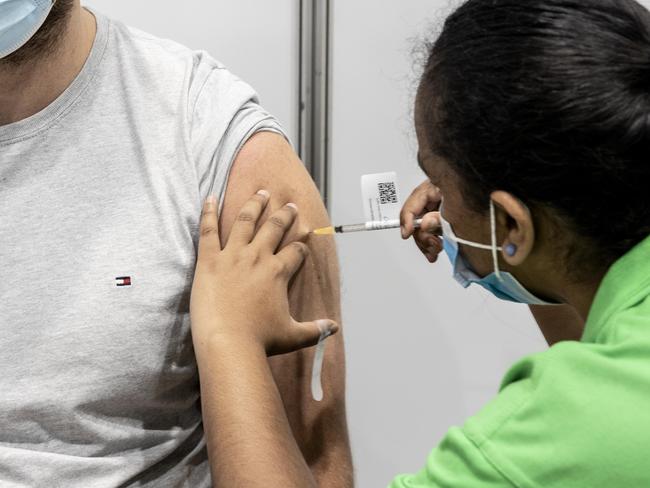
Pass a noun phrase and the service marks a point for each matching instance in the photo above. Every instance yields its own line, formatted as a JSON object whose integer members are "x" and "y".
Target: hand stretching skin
{"x": 240, "y": 314}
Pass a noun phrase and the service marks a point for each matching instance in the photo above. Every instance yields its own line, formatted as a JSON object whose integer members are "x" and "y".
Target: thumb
{"x": 307, "y": 334}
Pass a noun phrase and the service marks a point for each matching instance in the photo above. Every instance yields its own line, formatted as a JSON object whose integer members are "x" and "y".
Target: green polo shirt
{"x": 576, "y": 415}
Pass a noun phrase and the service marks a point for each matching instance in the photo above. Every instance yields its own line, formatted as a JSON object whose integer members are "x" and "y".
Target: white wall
{"x": 256, "y": 39}
{"x": 423, "y": 354}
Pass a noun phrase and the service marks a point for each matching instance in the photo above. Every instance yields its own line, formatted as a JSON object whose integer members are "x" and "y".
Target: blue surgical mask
{"x": 501, "y": 284}
{"x": 19, "y": 21}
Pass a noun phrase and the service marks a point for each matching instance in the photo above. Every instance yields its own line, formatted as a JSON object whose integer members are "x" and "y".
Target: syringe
{"x": 372, "y": 225}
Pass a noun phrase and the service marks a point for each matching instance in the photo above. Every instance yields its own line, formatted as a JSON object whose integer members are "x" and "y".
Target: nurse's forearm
{"x": 249, "y": 439}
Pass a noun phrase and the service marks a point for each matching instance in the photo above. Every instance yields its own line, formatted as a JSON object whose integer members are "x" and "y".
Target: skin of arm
{"x": 320, "y": 429}
{"x": 250, "y": 443}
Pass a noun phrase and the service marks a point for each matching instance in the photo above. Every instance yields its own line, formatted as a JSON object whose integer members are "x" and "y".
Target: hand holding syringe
{"x": 381, "y": 205}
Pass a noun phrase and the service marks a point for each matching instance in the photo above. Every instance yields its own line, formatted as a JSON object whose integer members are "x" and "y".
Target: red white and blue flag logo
{"x": 123, "y": 281}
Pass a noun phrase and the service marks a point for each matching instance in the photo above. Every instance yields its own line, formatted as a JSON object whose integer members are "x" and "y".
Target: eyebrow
{"x": 420, "y": 164}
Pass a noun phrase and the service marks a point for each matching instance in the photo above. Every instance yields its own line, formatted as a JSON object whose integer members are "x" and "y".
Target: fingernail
{"x": 292, "y": 205}
{"x": 403, "y": 229}
{"x": 211, "y": 201}
{"x": 264, "y": 193}
{"x": 432, "y": 250}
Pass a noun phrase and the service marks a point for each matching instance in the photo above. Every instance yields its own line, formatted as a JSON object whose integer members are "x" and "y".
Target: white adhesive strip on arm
{"x": 317, "y": 367}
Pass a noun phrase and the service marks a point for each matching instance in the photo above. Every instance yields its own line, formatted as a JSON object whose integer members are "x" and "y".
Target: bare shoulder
{"x": 267, "y": 161}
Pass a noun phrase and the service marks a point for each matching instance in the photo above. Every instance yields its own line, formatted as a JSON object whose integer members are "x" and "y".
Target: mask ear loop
{"x": 488, "y": 247}
{"x": 495, "y": 254}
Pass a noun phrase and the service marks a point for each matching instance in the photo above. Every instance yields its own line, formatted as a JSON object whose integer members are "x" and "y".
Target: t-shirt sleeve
{"x": 455, "y": 463}
{"x": 224, "y": 113}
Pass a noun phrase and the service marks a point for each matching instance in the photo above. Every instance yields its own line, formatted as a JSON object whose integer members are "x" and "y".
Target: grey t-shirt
{"x": 100, "y": 197}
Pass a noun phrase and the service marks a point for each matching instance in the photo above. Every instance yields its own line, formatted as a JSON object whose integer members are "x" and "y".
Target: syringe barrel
{"x": 351, "y": 228}
{"x": 377, "y": 225}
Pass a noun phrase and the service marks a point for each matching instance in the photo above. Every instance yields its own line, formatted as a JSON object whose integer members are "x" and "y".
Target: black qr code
{"x": 387, "y": 193}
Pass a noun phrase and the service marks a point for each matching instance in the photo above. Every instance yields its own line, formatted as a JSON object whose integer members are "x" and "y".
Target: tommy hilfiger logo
{"x": 123, "y": 281}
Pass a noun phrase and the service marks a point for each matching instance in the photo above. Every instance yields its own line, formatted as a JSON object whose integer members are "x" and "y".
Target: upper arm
{"x": 267, "y": 162}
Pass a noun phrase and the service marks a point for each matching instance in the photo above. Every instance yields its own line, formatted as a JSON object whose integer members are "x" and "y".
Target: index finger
{"x": 243, "y": 229}
{"x": 209, "y": 241}
{"x": 420, "y": 200}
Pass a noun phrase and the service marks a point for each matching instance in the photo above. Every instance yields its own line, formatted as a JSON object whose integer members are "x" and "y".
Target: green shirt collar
{"x": 626, "y": 283}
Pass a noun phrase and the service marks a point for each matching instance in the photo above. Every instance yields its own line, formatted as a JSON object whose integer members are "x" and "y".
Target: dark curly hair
{"x": 550, "y": 101}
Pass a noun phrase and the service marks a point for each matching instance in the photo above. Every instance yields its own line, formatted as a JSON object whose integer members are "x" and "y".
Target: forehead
{"x": 419, "y": 111}
{"x": 421, "y": 122}
{"x": 435, "y": 166}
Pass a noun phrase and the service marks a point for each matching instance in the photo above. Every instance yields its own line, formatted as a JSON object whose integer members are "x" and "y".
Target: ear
{"x": 514, "y": 226}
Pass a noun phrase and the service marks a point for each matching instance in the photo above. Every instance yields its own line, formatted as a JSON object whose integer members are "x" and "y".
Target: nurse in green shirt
{"x": 533, "y": 123}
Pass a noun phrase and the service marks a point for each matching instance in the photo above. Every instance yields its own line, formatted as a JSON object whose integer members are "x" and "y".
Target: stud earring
{"x": 511, "y": 250}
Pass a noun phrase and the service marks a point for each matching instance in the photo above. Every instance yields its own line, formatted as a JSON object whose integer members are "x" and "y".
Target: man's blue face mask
{"x": 501, "y": 284}
{"x": 19, "y": 21}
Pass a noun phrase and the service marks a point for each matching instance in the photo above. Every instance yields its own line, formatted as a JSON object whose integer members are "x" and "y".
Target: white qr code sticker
{"x": 381, "y": 200}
